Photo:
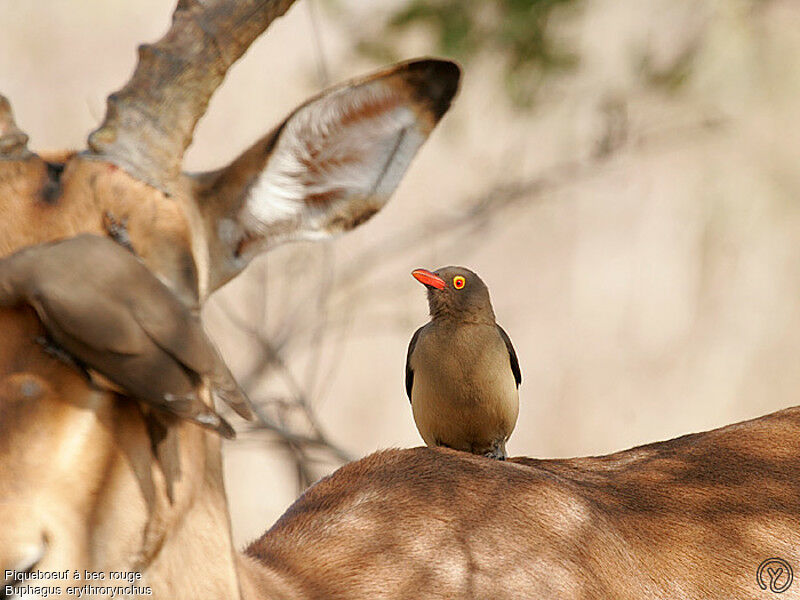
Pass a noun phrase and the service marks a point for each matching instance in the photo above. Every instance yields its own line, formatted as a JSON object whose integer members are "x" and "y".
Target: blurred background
{"x": 622, "y": 173}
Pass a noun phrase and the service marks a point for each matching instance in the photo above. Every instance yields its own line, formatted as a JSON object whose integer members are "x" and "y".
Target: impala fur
{"x": 689, "y": 518}
{"x": 81, "y": 489}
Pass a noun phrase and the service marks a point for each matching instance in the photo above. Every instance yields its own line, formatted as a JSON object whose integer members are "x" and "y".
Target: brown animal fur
{"x": 684, "y": 519}
{"x": 689, "y": 518}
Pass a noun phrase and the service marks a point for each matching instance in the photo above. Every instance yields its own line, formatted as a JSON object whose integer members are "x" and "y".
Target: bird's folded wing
{"x": 179, "y": 333}
{"x": 175, "y": 330}
{"x": 97, "y": 324}
{"x": 512, "y": 356}
{"x": 409, "y": 371}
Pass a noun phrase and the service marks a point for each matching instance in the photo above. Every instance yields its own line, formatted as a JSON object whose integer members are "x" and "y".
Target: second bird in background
{"x": 462, "y": 373}
{"x": 108, "y": 316}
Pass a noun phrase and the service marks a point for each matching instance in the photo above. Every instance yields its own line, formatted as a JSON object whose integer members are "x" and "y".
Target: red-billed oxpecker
{"x": 462, "y": 373}
{"x": 109, "y": 316}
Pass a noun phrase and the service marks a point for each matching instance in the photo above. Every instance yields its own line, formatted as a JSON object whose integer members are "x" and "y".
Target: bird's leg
{"x": 118, "y": 231}
{"x": 57, "y": 352}
{"x": 497, "y": 451}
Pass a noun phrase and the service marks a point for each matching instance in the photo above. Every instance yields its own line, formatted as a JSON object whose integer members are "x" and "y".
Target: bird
{"x": 109, "y": 316}
{"x": 462, "y": 372}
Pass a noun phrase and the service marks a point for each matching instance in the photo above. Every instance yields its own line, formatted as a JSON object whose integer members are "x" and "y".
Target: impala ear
{"x": 333, "y": 163}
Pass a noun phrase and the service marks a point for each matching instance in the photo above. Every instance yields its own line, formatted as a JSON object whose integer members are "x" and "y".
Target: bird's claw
{"x": 495, "y": 455}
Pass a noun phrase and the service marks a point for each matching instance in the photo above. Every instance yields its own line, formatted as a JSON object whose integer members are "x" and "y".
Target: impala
{"x": 80, "y": 489}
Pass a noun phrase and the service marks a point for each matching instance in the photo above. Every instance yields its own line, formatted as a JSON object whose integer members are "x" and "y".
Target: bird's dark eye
{"x": 459, "y": 282}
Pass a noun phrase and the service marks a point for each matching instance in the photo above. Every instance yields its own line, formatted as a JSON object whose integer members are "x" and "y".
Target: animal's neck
{"x": 197, "y": 558}
{"x": 445, "y": 316}
{"x": 443, "y": 310}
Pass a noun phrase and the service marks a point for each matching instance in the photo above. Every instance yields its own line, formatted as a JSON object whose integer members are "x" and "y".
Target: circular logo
{"x": 775, "y": 574}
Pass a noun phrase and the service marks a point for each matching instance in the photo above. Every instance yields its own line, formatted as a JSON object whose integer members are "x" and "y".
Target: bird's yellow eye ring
{"x": 459, "y": 282}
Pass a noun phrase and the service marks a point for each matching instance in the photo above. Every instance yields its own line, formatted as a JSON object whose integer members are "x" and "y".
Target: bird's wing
{"x": 176, "y": 331}
{"x": 512, "y": 355}
{"x": 409, "y": 371}
{"x": 170, "y": 325}
{"x": 99, "y": 325}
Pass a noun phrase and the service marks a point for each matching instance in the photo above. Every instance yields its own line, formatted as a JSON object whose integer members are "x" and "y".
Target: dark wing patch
{"x": 512, "y": 355}
{"x": 409, "y": 371}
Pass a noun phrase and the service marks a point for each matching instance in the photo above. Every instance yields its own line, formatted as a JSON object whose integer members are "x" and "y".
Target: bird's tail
{"x": 224, "y": 387}
{"x": 192, "y": 409}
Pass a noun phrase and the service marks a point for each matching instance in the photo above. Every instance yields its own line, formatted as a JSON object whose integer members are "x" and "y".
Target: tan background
{"x": 649, "y": 276}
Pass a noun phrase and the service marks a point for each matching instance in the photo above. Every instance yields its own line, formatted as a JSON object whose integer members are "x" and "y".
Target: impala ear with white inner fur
{"x": 333, "y": 163}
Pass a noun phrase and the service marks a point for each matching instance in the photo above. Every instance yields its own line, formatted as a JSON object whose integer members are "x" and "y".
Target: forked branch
{"x": 149, "y": 123}
{"x": 13, "y": 141}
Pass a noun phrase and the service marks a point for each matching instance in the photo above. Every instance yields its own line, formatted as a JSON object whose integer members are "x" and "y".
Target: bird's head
{"x": 456, "y": 293}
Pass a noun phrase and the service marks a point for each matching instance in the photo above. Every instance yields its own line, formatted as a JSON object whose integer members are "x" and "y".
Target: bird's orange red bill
{"x": 427, "y": 278}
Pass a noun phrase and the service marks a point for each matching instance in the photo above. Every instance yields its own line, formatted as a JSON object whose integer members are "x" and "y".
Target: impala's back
{"x": 692, "y": 518}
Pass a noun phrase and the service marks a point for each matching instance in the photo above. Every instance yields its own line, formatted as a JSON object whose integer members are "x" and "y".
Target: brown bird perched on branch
{"x": 462, "y": 373}
{"x": 109, "y": 316}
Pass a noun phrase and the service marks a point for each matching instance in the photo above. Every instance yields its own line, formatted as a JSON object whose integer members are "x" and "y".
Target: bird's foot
{"x": 496, "y": 455}
{"x": 497, "y": 451}
{"x": 118, "y": 230}
{"x": 52, "y": 349}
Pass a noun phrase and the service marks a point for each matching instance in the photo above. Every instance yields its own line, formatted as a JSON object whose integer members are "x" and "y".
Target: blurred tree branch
{"x": 518, "y": 30}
